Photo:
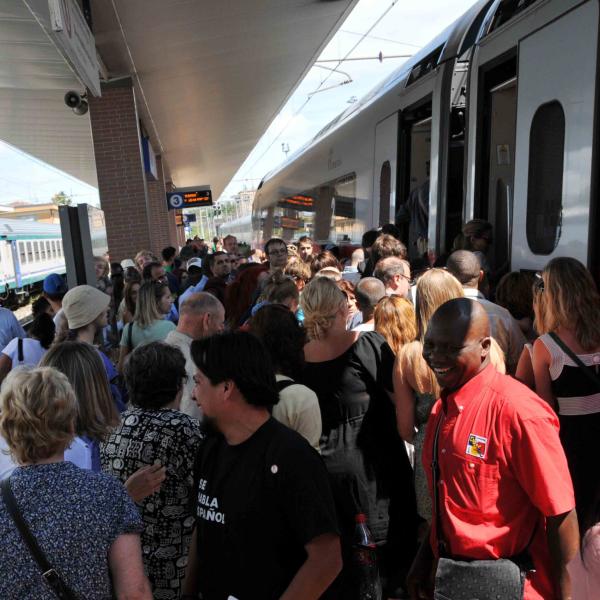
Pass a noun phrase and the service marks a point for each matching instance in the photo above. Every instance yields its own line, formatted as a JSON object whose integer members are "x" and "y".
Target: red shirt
{"x": 502, "y": 470}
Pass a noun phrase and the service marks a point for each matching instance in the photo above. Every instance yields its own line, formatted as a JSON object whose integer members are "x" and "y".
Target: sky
{"x": 394, "y": 27}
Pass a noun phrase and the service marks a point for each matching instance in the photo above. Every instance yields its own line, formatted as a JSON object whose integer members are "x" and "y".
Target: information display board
{"x": 189, "y": 198}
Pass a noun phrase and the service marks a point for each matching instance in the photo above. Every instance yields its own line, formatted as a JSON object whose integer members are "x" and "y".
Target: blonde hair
{"x": 38, "y": 411}
{"x": 320, "y": 301}
{"x": 100, "y": 260}
{"x": 434, "y": 287}
{"x": 570, "y": 300}
{"x": 82, "y": 365}
{"x": 147, "y": 309}
{"x": 395, "y": 319}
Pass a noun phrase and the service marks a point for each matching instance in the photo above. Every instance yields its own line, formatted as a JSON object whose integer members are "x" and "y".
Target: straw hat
{"x": 83, "y": 304}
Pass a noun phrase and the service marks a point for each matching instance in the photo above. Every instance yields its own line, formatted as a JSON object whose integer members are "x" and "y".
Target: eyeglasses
{"x": 280, "y": 252}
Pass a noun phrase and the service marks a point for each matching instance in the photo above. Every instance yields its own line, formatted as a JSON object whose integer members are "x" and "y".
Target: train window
{"x": 43, "y": 250}
{"x": 385, "y": 188}
{"x": 428, "y": 64}
{"x": 22, "y": 252}
{"x": 507, "y": 9}
{"x": 545, "y": 181}
{"x": 36, "y": 251}
{"x": 29, "y": 252}
{"x": 60, "y": 248}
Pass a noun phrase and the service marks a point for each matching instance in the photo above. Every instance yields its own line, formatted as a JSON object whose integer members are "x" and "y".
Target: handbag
{"x": 475, "y": 579}
{"x": 49, "y": 573}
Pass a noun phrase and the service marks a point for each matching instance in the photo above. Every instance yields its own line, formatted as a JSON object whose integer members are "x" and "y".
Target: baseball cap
{"x": 54, "y": 284}
{"x": 194, "y": 262}
{"x": 126, "y": 263}
{"x": 83, "y": 304}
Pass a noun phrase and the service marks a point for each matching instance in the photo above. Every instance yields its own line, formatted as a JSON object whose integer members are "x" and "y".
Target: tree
{"x": 62, "y": 199}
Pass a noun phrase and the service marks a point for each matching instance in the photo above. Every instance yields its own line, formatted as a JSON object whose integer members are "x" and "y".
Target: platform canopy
{"x": 209, "y": 77}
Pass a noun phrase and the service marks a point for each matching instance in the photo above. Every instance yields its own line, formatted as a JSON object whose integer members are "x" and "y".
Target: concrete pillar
{"x": 122, "y": 185}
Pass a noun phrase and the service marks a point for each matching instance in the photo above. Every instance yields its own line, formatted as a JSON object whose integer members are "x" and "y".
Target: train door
{"x": 384, "y": 171}
{"x": 555, "y": 139}
{"x": 414, "y": 155}
{"x": 496, "y": 168}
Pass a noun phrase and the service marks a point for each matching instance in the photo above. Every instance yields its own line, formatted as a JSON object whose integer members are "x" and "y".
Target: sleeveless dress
{"x": 578, "y": 401}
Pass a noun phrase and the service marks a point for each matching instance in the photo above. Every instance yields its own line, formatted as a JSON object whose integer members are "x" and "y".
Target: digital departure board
{"x": 189, "y": 198}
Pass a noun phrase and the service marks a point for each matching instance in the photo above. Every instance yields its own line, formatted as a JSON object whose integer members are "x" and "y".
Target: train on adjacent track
{"x": 496, "y": 118}
{"x": 28, "y": 252}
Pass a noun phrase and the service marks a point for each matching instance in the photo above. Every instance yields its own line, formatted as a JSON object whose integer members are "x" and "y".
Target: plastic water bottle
{"x": 364, "y": 558}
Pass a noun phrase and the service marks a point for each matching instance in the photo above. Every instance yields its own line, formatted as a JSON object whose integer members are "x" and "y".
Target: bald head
{"x": 465, "y": 266}
{"x": 368, "y": 292}
{"x": 201, "y": 315}
{"x": 457, "y": 342}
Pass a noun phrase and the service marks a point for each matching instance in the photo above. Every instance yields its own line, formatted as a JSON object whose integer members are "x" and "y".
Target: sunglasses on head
{"x": 539, "y": 282}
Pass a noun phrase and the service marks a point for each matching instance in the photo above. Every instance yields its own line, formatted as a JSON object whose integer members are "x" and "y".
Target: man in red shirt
{"x": 504, "y": 485}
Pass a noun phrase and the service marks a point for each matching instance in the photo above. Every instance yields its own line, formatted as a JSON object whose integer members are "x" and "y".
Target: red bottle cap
{"x": 360, "y": 518}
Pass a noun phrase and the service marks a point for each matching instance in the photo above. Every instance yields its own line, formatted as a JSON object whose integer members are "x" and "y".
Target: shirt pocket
{"x": 472, "y": 484}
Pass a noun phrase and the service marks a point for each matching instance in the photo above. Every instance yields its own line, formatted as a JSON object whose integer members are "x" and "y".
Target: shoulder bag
{"x": 587, "y": 371}
{"x": 49, "y": 573}
{"x": 468, "y": 579}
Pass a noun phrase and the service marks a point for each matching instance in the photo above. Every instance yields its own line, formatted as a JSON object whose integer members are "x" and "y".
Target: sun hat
{"x": 194, "y": 262}
{"x": 126, "y": 263}
{"x": 54, "y": 284}
{"x": 83, "y": 304}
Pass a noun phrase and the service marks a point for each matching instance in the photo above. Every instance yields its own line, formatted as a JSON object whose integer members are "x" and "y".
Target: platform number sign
{"x": 189, "y": 198}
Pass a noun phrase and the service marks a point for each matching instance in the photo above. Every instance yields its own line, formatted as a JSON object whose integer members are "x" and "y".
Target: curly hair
{"x": 154, "y": 374}
{"x": 320, "y": 302}
{"x": 283, "y": 337}
{"x": 38, "y": 410}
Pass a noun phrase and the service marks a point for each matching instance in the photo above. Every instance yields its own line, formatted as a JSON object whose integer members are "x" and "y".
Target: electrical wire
{"x": 310, "y": 97}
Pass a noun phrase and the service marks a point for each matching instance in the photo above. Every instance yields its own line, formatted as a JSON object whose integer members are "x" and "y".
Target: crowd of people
{"x": 216, "y": 422}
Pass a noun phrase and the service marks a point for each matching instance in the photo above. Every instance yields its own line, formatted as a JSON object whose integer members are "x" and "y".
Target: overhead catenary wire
{"x": 311, "y": 95}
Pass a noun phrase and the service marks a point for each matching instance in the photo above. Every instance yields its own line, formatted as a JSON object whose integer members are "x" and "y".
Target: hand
{"x": 145, "y": 482}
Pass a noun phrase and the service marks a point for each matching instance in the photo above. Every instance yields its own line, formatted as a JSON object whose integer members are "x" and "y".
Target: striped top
{"x": 575, "y": 393}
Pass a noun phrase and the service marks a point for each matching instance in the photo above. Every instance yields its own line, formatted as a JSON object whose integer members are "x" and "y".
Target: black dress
{"x": 364, "y": 455}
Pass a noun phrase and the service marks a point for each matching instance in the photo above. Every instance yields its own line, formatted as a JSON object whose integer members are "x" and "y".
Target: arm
{"x": 189, "y": 587}
{"x": 541, "y": 372}
{"x": 123, "y": 352}
{"x": 421, "y": 576}
{"x": 524, "y": 372}
{"x": 404, "y": 398}
{"x": 127, "y": 570}
{"x": 5, "y": 366}
{"x": 563, "y": 541}
{"x": 145, "y": 482}
{"x": 323, "y": 563}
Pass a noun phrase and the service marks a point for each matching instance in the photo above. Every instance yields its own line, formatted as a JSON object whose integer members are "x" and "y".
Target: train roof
{"x": 17, "y": 229}
{"x": 453, "y": 41}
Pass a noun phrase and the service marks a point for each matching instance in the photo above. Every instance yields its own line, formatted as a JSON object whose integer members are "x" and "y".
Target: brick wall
{"x": 162, "y": 221}
{"x": 121, "y": 180}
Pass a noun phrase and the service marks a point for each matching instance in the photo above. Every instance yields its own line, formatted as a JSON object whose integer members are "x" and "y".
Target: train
{"x": 28, "y": 252}
{"x": 496, "y": 118}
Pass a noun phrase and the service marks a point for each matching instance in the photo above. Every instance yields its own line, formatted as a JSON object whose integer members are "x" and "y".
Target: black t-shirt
{"x": 258, "y": 504}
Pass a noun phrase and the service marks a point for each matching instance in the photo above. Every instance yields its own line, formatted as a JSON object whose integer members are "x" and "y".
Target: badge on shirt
{"x": 477, "y": 446}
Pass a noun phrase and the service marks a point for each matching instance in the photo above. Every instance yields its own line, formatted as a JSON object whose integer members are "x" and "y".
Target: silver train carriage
{"x": 28, "y": 252}
{"x": 495, "y": 118}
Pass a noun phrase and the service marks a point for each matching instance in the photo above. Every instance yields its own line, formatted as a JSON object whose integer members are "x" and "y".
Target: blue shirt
{"x": 193, "y": 289}
{"x": 75, "y": 516}
{"x": 9, "y": 327}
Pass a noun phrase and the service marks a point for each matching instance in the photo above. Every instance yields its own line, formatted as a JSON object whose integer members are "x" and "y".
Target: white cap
{"x": 126, "y": 263}
{"x": 194, "y": 262}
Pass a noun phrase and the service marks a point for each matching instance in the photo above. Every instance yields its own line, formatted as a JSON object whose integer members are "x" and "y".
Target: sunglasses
{"x": 539, "y": 282}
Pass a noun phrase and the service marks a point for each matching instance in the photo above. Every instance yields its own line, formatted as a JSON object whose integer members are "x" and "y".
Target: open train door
{"x": 384, "y": 171}
{"x": 554, "y": 139}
